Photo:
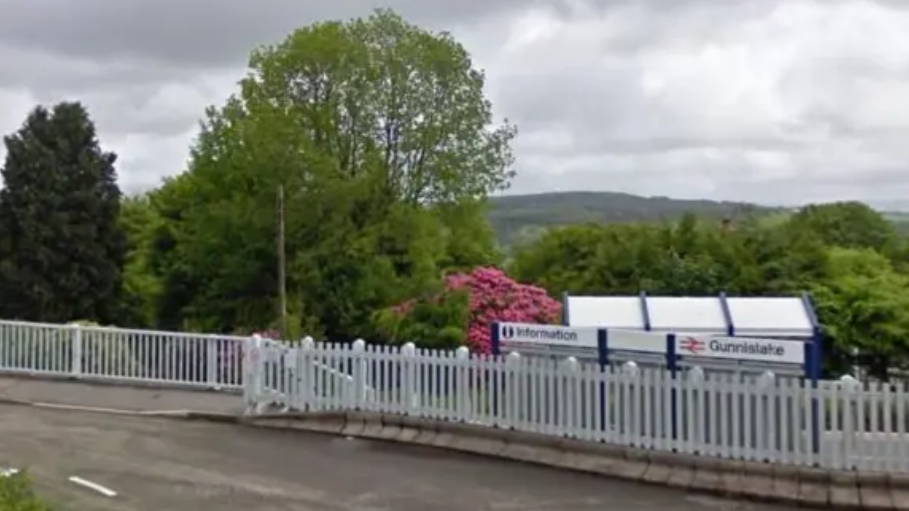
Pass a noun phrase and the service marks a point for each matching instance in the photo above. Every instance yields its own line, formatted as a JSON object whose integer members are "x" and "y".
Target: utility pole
{"x": 282, "y": 264}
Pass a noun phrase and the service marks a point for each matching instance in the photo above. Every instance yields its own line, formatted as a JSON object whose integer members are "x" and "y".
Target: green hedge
{"x": 16, "y": 494}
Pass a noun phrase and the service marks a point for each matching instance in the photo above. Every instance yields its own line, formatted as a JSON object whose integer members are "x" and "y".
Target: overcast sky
{"x": 773, "y": 101}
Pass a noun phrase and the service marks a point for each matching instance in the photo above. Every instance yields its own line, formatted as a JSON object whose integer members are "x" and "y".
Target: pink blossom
{"x": 496, "y": 297}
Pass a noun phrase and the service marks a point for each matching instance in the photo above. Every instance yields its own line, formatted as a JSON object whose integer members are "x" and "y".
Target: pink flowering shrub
{"x": 496, "y": 297}
{"x": 490, "y": 296}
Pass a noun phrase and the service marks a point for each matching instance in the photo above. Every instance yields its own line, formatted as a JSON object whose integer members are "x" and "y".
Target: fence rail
{"x": 117, "y": 354}
{"x": 153, "y": 357}
{"x": 838, "y": 424}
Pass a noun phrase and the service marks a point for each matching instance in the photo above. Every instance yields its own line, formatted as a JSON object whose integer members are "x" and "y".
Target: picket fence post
{"x": 76, "y": 352}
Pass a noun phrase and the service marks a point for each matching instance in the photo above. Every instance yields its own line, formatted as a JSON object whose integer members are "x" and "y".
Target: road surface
{"x": 161, "y": 464}
{"x": 121, "y": 397}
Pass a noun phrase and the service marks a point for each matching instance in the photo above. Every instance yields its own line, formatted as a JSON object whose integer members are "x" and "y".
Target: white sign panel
{"x": 641, "y": 342}
{"x": 774, "y": 351}
{"x": 515, "y": 335}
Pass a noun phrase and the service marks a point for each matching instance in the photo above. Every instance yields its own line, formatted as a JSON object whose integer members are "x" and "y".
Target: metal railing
{"x": 152, "y": 357}
{"x": 838, "y": 424}
{"x": 117, "y": 354}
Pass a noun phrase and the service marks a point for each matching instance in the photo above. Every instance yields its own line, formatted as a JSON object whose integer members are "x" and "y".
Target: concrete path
{"x": 155, "y": 464}
{"x": 71, "y": 393}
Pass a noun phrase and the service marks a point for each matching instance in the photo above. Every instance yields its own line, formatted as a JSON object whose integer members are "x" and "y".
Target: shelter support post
{"x": 603, "y": 345}
{"x": 496, "y": 338}
{"x": 727, "y": 315}
{"x": 645, "y": 311}
{"x": 672, "y": 365}
{"x": 565, "y": 318}
{"x": 814, "y": 366}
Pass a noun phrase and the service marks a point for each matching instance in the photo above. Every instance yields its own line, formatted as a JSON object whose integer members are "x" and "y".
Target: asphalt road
{"x": 121, "y": 397}
{"x": 161, "y": 464}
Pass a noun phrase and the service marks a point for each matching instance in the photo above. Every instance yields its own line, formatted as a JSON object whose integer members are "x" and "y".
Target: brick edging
{"x": 804, "y": 486}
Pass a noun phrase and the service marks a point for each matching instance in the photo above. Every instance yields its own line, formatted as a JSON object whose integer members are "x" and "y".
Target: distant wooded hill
{"x": 520, "y": 217}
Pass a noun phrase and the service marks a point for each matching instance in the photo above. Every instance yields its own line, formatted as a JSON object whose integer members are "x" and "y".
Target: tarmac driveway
{"x": 161, "y": 464}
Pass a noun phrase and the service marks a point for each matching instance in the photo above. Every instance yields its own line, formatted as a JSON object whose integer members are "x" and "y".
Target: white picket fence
{"x": 863, "y": 426}
{"x": 737, "y": 416}
{"x": 190, "y": 360}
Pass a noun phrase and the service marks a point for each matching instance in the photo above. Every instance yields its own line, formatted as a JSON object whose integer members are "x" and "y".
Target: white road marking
{"x": 107, "y": 492}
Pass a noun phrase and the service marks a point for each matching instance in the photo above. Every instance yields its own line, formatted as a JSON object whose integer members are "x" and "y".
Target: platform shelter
{"x": 790, "y": 317}
{"x": 631, "y": 321}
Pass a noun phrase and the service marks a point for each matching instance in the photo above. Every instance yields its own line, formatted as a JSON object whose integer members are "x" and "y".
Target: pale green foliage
{"x": 864, "y": 306}
{"x": 847, "y": 224}
{"x": 384, "y": 98}
{"x": 140, "y": 222}
{"x": 382, "y": 139}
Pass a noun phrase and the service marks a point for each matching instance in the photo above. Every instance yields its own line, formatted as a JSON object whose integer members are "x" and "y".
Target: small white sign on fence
{"x": 526, "y": 335}
{"x": 775, "y": 351}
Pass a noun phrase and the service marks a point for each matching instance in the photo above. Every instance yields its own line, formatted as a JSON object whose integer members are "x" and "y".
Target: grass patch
{"x": 17, "y": 494}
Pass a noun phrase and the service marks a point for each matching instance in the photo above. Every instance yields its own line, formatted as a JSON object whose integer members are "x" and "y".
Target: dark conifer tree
{"x": 62, "y": 249}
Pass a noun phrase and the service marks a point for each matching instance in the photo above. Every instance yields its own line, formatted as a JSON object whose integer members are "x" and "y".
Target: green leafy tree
{"x": 384, "y": 144}
{"x": 684, "y": 258}
{"x": 63, "y": 249}
{"x": 467, "y": 235}
{"x": 847, "y": 224}
{"x": 165, "y": 262}
{"x": 789, "y": 258}
{"x": 562, "y": 260}
{"x": 863, "y": 306}
{"x": 140, "y": 223}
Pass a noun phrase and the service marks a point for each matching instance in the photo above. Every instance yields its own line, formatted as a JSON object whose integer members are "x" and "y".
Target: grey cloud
{"x": 151, "y": 110}
{"x": 607, "y": 112}
{"x": 144, "y": 161}
{"x": 659, "y": 24}
{"x": 157, "y": 109}
{"x": 198, "y": 33}
{"x": 52, "y": 74}
{"x": 620, "y": 94}
{"x": 892, "y": 4}
{"x": 210, "y": 33}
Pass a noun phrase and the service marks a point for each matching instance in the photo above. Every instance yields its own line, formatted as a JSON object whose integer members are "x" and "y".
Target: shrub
{"x": 438, "y": 322}
{"x": 490, "y": 296}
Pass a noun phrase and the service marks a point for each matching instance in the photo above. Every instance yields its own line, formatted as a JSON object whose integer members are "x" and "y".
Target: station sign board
{"x": 554, "y": 339}
{"x": 771, "y": 351}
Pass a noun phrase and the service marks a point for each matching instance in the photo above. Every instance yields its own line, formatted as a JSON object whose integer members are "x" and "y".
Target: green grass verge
{"x": 16, "y": 494}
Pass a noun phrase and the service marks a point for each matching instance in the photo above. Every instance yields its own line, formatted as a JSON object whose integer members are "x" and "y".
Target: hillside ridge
{"x": 518, "y": 217}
